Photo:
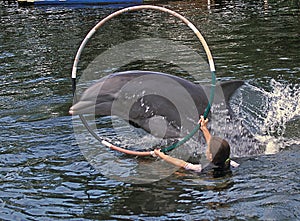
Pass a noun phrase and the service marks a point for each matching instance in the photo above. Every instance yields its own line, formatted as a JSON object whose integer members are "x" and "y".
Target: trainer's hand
{"x": 203, "y": 123}
{"x": 158, "y": 153}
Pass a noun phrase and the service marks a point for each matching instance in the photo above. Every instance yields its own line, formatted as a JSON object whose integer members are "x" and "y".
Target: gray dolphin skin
{"x": 161, "y": 104}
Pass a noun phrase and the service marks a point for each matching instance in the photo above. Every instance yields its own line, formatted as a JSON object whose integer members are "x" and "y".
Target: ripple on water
{"x": 43, "y": 174}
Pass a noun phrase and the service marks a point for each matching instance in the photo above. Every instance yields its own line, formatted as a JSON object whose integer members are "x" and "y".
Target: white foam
{"x": 267, "y": 113}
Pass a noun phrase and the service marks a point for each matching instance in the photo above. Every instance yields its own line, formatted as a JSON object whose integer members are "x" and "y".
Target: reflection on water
{"x": 43, "y": 174}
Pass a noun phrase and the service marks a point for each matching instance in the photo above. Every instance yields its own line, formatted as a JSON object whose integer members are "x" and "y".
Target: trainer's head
{"x": 218, "y": 151}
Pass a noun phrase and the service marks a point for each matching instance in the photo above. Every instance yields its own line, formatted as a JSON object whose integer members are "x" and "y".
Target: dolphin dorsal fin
{"x": 229, "y": 87}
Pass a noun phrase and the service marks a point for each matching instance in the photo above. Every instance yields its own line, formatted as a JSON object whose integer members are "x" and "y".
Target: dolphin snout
{"x": 82, "y": 107}
{"x": 71, "y": 111}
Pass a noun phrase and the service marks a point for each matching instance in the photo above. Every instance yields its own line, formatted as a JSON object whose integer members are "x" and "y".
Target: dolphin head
{"x": 97, "y": 99}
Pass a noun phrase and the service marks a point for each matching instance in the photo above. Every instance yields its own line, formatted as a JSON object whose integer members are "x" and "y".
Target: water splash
{"x": 270, "y": 116}
{"x": 262, "y": 122}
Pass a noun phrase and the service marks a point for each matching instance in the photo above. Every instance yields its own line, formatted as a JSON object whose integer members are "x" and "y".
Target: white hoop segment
{"x": 136, "y": 8}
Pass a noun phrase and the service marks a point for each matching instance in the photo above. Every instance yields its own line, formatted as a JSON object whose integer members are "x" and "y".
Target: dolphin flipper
{"x": 156, "y": 115}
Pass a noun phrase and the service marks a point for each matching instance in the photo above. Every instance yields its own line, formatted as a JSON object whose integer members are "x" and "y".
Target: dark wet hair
{"x": 220, "y": 151}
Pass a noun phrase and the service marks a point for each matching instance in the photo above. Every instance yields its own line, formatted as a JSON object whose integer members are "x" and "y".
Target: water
{"x": 43, "y": 174}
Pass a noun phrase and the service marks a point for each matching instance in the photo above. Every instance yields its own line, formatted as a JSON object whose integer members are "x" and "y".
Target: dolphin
{"x": 161, "y": 104}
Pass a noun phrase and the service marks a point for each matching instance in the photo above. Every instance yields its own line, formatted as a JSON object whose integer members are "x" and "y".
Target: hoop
{"x": 137, "y": 8}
